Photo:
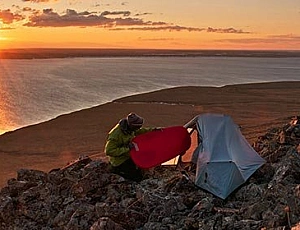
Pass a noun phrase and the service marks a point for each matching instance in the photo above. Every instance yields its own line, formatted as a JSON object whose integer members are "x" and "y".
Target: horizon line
{"x": 44, "y": 53}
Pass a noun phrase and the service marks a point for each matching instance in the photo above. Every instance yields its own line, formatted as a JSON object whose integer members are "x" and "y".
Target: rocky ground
{"x": 85, "y": 195}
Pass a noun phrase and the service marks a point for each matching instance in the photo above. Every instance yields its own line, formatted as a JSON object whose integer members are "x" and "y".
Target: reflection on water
{"x": 6, "y": 124}
{"x": 32, "y": 91}
{"x": 6, "y": 121}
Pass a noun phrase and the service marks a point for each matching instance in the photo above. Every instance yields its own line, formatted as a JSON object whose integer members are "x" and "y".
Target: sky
{"x": 153, "y": 24}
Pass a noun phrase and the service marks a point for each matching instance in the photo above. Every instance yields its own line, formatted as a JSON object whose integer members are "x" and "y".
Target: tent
{"x": 223, "y": 157}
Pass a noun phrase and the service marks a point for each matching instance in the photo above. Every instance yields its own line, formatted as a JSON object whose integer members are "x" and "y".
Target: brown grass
{"x": 51, "y": 144}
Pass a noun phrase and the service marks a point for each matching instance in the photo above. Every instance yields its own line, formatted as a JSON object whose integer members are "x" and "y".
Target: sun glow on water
{"x": 6, "y": 121}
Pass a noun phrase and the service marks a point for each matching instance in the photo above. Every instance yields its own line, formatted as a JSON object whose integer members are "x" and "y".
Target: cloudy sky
{"x": 170, "y": 24}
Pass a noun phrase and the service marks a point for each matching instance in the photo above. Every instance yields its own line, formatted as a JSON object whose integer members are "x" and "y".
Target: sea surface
{"x": 36, "y": 90}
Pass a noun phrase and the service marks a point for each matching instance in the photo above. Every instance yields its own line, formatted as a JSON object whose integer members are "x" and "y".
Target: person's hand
{"x": 130, "y": 145}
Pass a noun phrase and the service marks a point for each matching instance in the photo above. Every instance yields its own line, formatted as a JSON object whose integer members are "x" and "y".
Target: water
{"x": 32, "y": 91}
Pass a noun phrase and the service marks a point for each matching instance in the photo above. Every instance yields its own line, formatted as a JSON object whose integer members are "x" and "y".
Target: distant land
{"x": 43, "y": 53}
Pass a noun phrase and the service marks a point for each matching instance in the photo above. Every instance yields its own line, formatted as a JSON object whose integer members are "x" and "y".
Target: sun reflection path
{"x": 6, "y": 122}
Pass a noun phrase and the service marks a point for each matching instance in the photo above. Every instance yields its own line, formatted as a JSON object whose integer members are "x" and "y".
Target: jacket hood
{"x": 124, "y": 126}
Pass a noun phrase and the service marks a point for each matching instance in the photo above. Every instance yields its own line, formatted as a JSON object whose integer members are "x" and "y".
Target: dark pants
{"x": 128, "y": 170}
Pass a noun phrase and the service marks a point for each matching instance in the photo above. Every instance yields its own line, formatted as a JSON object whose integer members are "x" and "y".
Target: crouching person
{"x": 118, "y": 146}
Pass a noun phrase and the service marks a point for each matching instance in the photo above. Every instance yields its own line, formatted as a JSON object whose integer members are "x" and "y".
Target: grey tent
{"x": 224, "y": 159}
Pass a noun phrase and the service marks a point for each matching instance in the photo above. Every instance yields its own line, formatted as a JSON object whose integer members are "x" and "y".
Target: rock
{"x": 104, "y": 223}
{"x": 7, "y": 211}
{"x": 85, "y": 195}
{"x": 31, "y": 175}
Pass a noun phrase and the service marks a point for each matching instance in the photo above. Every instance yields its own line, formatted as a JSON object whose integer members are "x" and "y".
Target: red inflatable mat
{"x": 156, "y": 147}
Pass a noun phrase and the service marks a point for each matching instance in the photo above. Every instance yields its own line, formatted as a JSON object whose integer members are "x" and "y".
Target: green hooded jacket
{"x": 117, "y": 144}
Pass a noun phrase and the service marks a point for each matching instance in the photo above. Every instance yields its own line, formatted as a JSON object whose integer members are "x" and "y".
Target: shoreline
{"x": 256, "y": 107}
{"x": 138, "y": 94}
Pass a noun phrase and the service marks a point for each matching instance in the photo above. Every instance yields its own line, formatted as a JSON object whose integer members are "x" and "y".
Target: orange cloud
{"x": 25, "y": 9}
{"x": 267, "y": 40}
{"x": 107, "y": 13}
{"x": 142, "y": 14}
{"x": 156, "y": 39}
{"x": 6, "y": 28}
{"x": 167, "y": 27}
{"x": 189, "y": 29}
{"x": 7, "y": 17}
{"x": 226, "y": 30}
{"x": 286, "y": 37}
{"x": 38, "y": 1}
{"x": 115, "y": 20}
{"x": 49, "y": 18}
{"x": 284, "y": 42}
